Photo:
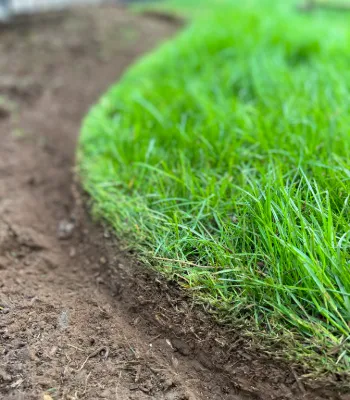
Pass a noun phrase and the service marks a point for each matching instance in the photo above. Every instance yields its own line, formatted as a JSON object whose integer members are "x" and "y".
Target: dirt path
{"x": 61, "y": 334}
{"x": 78, "y": 320}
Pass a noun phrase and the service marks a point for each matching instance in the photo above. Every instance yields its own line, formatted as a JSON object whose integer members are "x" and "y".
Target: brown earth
{"x": 79, "y": 319}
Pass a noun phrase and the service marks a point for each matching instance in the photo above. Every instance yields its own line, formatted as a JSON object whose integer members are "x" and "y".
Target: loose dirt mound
{"x": 79, "y": 320}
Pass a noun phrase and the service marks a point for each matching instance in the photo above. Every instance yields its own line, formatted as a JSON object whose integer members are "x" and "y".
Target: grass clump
{"x": 223, "y": 157}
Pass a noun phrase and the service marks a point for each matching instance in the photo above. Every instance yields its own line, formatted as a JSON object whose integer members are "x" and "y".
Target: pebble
{"x": 72, "y": 252}
{"x": 65, "y": 229}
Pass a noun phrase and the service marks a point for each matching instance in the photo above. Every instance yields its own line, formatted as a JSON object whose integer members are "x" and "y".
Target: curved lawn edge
{"x": 118, "y": 170}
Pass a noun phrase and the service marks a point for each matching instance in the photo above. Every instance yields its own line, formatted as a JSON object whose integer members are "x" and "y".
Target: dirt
{"x": 80, "y": 318}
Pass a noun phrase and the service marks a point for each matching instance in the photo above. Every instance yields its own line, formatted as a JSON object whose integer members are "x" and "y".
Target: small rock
{"x": 5, "y": 376}
{"x": 53, "y": 351}
{"x": 72, "y": 252}
{"x": 63, "y": 319}
{"x": 103, "y": 260}
{"x": 32, "y": 355}
{"x": 234, "y": 219}
{"x": 174, "y": 362}
{"x": 65, "y": 229}
{"x": 168, "y": 383}
{"x": 99, "y": 280}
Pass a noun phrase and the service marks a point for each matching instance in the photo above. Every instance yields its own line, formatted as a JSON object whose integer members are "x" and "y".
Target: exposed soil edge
{"x": 219, "y": 347}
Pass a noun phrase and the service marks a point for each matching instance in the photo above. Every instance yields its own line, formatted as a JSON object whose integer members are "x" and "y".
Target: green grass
{"x": 223, "y": 158}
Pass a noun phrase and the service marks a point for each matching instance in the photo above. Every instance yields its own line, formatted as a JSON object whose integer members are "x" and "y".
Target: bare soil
{"x": 79, "y": 318}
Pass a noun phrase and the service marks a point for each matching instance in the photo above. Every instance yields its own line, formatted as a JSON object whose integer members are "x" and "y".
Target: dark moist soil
{"x": 79, "y": 319}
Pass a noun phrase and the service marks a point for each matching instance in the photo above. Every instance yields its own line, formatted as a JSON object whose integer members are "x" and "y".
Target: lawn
{"x": 223, "y": 159}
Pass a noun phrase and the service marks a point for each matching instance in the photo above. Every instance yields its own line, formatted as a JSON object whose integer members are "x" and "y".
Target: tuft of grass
{"x": 223, "y": 158}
